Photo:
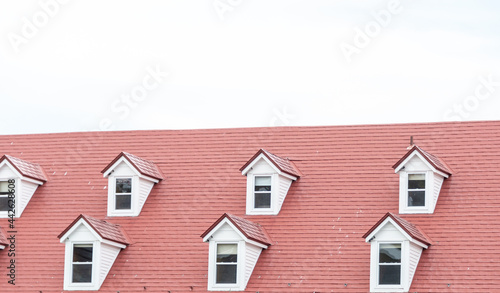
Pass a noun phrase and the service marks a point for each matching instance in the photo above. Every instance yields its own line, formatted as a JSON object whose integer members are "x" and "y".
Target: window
{"x": 262, "y": 192}
{"x": 389, "y": 264}
{"x": 226, "y": 264}
{"x": 82, "y": 263}
{"x": 4, "y": 196}
{"x": 416, "y": 190}
{"x": 123, "y": 194}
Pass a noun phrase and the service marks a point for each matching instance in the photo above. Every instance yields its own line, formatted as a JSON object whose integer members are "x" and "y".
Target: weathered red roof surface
{"x": 346, "y": 185}
{"x": 25, "y": 168}
{"x": 284, "y": 165}
{"x": 408, "y": 227}
{"x": 432, "y": 159}
{"x": 143, "y": 166}
{"x": 105, "y": 229}
{"x": 3, "y": 238}
{"x": 251, "y": 230}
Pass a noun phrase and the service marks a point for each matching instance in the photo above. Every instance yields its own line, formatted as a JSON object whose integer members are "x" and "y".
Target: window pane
{"x": 123, "y": 185}
{"x": 263, "y": 180}
{"x": 416, "y": 181}
{"x": 389, "y": 275}
{"x": 4, "y": 203}
{"x": 123, "y": 202}
{"x": 4, "y": 186}
{"x": 226, "y": 274}
{"x": 262, "y": 200}
{"x": 416, "y": 198}
{"x": 227, "y": 252}
{"x": 390, "y": 253}
{"x": 82, "y": 273}
{"x": 82, "y": 253}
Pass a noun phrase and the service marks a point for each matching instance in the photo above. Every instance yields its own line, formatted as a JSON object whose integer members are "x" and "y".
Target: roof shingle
{"x": 145, "y": 167}
{"x": 25, "y": 168}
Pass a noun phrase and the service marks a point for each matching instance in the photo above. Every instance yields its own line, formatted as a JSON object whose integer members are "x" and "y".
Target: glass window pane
{"x": 262, "y": 200}
{"x": 416, "y": 181}
{"x": 82, "y": 253}
{"x": 227, "y": 252}
{"x": 4, "y": 186}
{"x": 390, "y": 253}
{"x": 4, "y": 203}
{"x": 123, "y": 185}
{"x": 263, "y": 180}
{"x": 389, "y": 275}
{"x": 123, "y": 202}
{"x": 82, "y": 273}
{"x": 416, "y": 198}
{"x": 226, "y": 274}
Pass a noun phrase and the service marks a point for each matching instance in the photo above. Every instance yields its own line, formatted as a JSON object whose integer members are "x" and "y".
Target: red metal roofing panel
{"x": 105, "y": 229}
{"x": 252, "y": 231}
{"x": 433, "y": 160}
{"x": 145, "y": 167}
{"x": 284, "y": 165}
{"x": 27, "y": 169}
{"x": 316, "y": 245}
{"x": 408, "y": 227}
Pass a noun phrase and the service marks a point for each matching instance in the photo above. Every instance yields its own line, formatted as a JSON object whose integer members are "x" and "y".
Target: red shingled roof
{"x": 3, "y": 238}
{"x": 145, "y": 167}
{"x": 251, "y": 230}
{"x": 408, "y": 227}
{"x": 316, "y": 238}
{"x": 433, "y": 160}
{"x": 27, "y": 169}
{"x": 105, "y": 229}
{"x": 284, "y": 165}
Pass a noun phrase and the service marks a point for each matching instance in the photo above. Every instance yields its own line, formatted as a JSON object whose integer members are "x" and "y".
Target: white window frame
{"x": 131, "y": 194}
{"x": 5, "y": 214}
{"x": 68, "y": 271}
{"x": 217, "y": 263}
{"x": 73, "y": 263}
{"x": 112, "y": 211}
{"x": 426, "y": 193}
{"x": 212, "y": 272}
{"x": 392, "y": 286}
{"x": 251, "y": 209}
{"x": 404, "y": 208}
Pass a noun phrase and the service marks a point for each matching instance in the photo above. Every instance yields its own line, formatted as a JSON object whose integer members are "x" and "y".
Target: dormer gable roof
{"x": 433, "y": 160}
{"x": 283, "y": 164}
{"x": 411, "y": 230}
{"x": 250, "y": 230}
{"x": 3, "y": 239}
{"x": 25, "y": 168}
{"x": 144, "y": 167}
{"x": 104, "y": 229}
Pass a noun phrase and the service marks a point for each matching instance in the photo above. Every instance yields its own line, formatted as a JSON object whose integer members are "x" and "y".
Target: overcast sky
{"x": 79, "y": 65}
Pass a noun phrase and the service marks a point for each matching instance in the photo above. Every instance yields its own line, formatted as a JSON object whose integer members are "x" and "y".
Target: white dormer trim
{"x": 424, "y": 160}
{"x": 140, "y": 188}
{"x": 280, "y": 184}
{"x": 390, "y": 233}
{"x": 104, "y": 254}
{"x": 417, "y": 164}
{"x": 247, "y": 256}
{"x": 24, "y": 188}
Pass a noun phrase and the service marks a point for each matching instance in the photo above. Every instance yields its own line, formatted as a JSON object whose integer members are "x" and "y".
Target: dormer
{"x": 3, "y": 240}
{"x": 92, "y": 246}
{"x": 421, "y": 176}
{"x": 396, "y": 247}
{"x": 130, "y": 180}
{"x": 19, "y": 180}
{"x": 235, "y": 245}
{"x": 268, "y": 179}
